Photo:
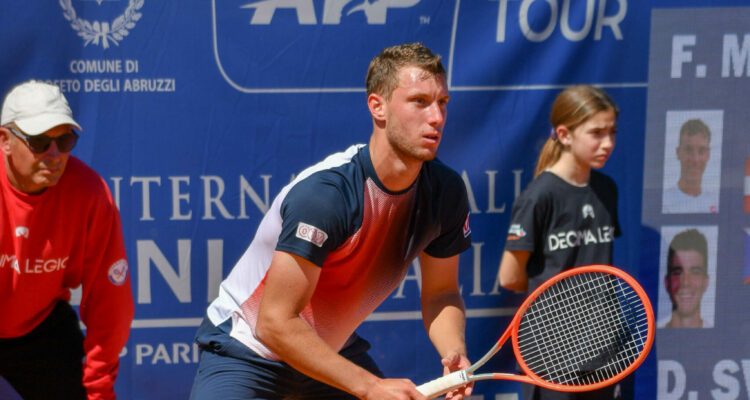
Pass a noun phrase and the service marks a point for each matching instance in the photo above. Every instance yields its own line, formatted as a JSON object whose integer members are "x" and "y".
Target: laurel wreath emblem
{"x": 103, "y": 32}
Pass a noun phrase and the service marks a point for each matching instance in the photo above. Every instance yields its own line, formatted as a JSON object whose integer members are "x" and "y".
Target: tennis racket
{"x": 583, "y": 329}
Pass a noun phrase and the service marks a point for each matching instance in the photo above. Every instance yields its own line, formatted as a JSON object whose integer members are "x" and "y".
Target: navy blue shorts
{"x": 229, "y": 370}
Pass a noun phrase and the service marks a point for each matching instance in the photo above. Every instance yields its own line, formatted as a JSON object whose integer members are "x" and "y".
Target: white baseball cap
{"x": 36, "y": 107}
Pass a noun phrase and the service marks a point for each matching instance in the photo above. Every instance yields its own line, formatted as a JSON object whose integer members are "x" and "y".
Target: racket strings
{"x": 602, "y": 347}
{"x": 559, "y": 328}
{"x": 599, "y": 348}
{"x": 583, "y": 329}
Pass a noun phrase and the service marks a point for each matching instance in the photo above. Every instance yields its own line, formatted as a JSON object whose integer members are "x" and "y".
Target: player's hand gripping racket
{"x": 583, "y": 329}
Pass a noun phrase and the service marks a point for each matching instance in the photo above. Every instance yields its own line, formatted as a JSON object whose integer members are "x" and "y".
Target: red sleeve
{"x": 107, "y": 299}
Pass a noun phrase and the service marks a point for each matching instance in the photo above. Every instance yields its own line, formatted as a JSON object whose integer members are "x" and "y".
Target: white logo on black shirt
{"x": 565, "y": 240}
{"x": 588, "y": 211}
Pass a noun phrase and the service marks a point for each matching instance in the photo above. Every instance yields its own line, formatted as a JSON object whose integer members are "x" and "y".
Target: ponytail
{"x": 551, "y": 152}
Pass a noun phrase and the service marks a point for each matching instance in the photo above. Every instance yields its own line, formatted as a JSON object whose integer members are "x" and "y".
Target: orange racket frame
{"x": 459, "y": 378}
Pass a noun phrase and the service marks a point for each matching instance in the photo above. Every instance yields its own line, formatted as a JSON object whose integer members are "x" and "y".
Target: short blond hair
{"x": 382, "y": 74}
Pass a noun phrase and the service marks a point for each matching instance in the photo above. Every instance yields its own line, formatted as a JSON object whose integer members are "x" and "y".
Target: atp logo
{"x": 103, "y": 32}
{"x": 375, "y": 11}
{"x": 259, "y": 45}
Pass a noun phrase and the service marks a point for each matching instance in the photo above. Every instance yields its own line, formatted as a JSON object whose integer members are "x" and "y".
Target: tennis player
{"x": 334, "y": 245}
{"x": 567, "y": 216}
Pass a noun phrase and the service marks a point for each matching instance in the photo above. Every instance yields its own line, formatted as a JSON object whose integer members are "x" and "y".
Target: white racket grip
{"x": 443, "y": 384}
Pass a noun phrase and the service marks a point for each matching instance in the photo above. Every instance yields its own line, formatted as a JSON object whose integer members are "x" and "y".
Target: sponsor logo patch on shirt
{"x": 467, "y": 229}
{"x": 311, "y": 234}
{"x": 516, "y": 232}
{"x": 118, "y": 272}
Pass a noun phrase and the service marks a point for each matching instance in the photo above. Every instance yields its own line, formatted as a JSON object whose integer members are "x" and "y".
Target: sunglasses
{"x": 40, "y": 143}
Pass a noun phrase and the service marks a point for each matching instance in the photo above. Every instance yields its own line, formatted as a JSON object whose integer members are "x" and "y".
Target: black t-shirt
{"x": 564, "y": 226}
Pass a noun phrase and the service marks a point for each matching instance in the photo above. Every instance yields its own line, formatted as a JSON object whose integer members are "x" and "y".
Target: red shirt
{"x": 69, "y": 235}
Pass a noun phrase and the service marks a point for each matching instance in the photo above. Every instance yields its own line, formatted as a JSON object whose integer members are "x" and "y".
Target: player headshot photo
{"x": 692, "y": 161}
{"x": 688, "y": 269}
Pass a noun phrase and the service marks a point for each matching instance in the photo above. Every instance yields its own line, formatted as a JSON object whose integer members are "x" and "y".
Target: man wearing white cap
{"x": 59, "y": 229}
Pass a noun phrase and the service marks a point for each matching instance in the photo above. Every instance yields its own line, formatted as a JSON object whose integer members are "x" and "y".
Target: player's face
{"x": 592, "y": 142}
{"x": 33, "y": 172}
{"x": 687, "y": 281}
{"x": 693, "y": 153}
{"x": 416, "y": 113}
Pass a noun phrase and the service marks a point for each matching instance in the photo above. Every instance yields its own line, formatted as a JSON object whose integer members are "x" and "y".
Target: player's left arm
{"x": 107, "y": 300}
{"x": 444, "y": 316}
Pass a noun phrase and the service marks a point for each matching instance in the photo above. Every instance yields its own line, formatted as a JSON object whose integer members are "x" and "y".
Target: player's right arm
{"x": 527, "y": 220}
{"x": 512, "y": 274}
{"x": 289, "y": 285}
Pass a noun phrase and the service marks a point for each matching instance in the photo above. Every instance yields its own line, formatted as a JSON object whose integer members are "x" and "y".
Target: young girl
{"x": 567, "y": 216}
